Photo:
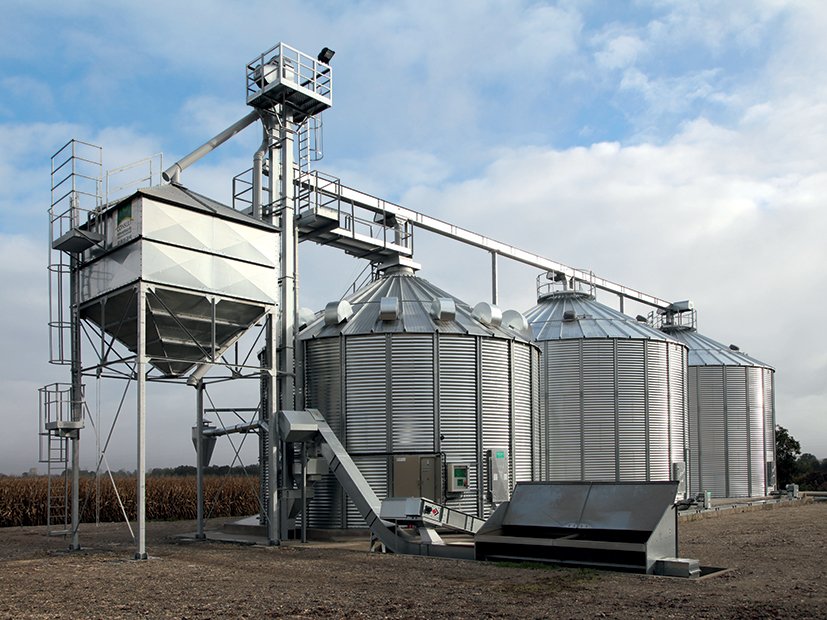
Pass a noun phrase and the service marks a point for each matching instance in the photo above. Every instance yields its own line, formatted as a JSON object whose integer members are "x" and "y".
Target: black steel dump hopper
{"x": 616, "y": 525}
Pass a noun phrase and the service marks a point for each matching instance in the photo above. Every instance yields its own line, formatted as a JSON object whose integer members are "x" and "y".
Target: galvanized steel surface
{"x": 731, "y": 430}
{"x": 590, "y": 319}
{"x": 419, "y": 385}
{"x": 732, "y": 419}
{"x": 416, "y": 297}
{"x": 613, "y": 393}
{"x": 704, "y": 351}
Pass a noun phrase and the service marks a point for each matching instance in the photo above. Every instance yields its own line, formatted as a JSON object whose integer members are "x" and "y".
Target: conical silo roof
{"x": 569, "y": 314}
{"x": 416, "y": 297}
{"x": 704, "y": 351}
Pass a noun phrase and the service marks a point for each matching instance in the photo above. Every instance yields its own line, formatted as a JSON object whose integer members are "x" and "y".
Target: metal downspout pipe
{"x": 258, "y": 168}
{"x": 173, "y": 173}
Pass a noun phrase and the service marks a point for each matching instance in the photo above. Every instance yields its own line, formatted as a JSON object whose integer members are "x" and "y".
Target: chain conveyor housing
{"x": 310, "y": 426}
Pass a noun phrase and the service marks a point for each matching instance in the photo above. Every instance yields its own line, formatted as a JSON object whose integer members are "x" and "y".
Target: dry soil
{"x": 778, "y": 559}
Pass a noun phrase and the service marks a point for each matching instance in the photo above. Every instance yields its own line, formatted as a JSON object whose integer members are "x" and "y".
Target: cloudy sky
{"x": 674, "y": 146}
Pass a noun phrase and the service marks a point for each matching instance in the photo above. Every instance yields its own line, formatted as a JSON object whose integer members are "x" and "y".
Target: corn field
{"x": 168, "y": 498}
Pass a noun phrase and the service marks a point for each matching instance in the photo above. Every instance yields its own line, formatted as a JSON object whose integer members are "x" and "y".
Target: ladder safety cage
{"x": 76, "y": 181}
{"x": 55, "y": 428}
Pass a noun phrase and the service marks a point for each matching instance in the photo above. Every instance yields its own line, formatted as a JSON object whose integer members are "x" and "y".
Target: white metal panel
{"x": 523, "y": 414}
{"x": 712, "y": 436}
{"x": 496, "y": 399}
{"x": 207, "y": 233}
{"x": 458, "y": 410}
{"x": 737, "y": 431}
{"x": 660, "y": 464}
{"x": 769, "y": 420}
{"x": 540, "y": 426}
{"x": 412, "y": 392}
{"x": 560, "y": 382}
{"x": 366, "y": 419}
{"x": 323, "y": 378}
{"x": 755, "y": 417}
{"x": 631, "y": 410}
{"x": 696, "y": 453}
{"x": 599, "y": 433}
{"x": 677, "y": 401}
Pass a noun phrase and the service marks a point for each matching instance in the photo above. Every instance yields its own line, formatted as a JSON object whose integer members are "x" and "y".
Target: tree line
{"x": 805, "y": 470}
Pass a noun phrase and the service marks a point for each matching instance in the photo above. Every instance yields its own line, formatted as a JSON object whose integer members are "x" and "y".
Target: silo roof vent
{"x": 569, "y": 316}
{"x": 389, "y": 309}
{"x": 337, "y": 312}
{"x": 488, "y": 314}
{"x": 516, "y": 322}
{"x": 443, "y": 309}
{"x": 306, "y": 317}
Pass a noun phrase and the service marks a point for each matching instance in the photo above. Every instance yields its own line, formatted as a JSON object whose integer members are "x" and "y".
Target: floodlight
{"x": 325, "y": 55}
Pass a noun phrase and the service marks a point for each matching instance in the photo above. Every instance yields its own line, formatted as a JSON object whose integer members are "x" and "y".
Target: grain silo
{"x": 613, "y": 391}
{"x": 731, "y": 418}
{"x": 430, "y": 397}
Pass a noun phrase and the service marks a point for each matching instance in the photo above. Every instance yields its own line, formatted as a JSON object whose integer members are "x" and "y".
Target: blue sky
{"x": 674, "y": 146}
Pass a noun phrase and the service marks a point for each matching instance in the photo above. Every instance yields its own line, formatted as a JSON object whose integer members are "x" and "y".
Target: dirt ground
{"x": 778, "y": 557}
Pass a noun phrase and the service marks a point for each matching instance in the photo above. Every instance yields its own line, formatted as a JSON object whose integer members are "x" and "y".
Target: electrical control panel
{"x": 458, "y": 477}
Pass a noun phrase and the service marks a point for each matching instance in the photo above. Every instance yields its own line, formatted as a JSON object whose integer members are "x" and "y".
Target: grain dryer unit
{"x": 208, "y": 272}
{"x": 430, "y": 397}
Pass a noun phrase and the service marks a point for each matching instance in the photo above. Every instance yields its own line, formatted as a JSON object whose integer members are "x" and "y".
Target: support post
{"x": 288, "y": 319}
{"x": 140, "y": 372}
{"x": 270, "y": 418}
{"x": 274, "y": 516}
{"x": 199, "y": 457}
{"x": 76, "y": 369}
{"x": 494, "y": 278}
{"x": 304, "y": 491}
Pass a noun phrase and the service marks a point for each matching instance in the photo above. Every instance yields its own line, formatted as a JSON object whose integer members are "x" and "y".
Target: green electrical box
{"x": 458, "y": 477}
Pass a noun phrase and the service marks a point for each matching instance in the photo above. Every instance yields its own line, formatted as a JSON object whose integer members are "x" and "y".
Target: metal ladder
{"x": 309, "y": 143}
{"x": 55, "y": 406}
{"x": 57, "y": 507}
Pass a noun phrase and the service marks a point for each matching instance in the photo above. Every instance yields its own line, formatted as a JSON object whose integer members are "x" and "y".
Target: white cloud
{"x": 715, "y": 193}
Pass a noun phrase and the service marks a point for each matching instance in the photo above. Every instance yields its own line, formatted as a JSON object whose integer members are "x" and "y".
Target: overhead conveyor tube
{"x": 173, "y": 173}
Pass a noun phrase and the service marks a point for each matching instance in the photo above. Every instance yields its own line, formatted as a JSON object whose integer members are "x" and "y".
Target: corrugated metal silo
{"x": 408, "y": 373}
{"x": 613, "y": 392}
{"x": 731, "y": 418}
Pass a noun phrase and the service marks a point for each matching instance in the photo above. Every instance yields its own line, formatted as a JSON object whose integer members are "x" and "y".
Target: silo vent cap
{"x": 569, "y": 315}
{"x": 337, "y": 312}
{"x": 389, "y": 308}
{"x": 306, "y": 317}
{"x": 443, "y": 309}
{"x": 516, "y": 322}
{"x": 488, "y": 314}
